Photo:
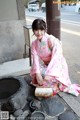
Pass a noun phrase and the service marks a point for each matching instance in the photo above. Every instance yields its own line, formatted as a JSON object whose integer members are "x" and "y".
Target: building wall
{"x": 8, "y": 10}
{"x": 12, "y": 20}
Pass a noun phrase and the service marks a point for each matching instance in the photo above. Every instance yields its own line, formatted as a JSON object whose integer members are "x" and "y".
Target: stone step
{"x": 15, "y": 68}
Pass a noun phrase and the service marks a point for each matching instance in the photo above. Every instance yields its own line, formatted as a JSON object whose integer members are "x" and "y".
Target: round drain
{"x": 13, "y": 90}
{"x": 8, "y": 87}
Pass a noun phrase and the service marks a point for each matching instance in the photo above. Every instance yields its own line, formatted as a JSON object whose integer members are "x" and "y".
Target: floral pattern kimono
{"x": 47, "y": 59}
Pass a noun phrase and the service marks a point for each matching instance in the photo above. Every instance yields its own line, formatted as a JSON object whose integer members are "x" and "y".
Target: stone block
{"x": 12, "y": 40}
{"x": 18, "y": 112}
{"x": 73, "y": 103}
{"x": 68, "y": 115}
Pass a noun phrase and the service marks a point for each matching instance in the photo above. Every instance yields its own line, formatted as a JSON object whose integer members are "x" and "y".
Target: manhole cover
{"x": 13, "y": 90}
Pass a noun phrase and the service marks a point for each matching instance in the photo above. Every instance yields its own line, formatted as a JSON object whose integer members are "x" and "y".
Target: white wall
{"x": 8, "y": 10}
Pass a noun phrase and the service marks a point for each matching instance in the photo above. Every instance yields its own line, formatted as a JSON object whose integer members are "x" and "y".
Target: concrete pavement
{"x": 15, "y": 68}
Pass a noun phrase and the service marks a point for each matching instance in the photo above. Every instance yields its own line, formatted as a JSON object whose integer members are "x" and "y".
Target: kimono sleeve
{"x": 56, "y": 55}
{"x": 35, "y": 60}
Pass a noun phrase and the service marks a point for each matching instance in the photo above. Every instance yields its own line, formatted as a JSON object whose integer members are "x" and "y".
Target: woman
{"x": 49, "y": 67}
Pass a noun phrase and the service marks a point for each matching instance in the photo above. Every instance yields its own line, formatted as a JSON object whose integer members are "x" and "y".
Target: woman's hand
{"x": 46, "y": 78}
{"x": 39, "y": 79}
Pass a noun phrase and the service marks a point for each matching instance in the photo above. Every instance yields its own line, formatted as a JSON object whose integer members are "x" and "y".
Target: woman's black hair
{"x": 38, "y": 24}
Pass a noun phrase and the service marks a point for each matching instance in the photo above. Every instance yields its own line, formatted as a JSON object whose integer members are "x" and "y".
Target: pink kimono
{"x": 49, "y": 61}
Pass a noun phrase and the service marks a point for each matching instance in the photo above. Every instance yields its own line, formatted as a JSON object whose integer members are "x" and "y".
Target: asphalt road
{"x": 75, "y": 17}
{"x": 70, "y": 36}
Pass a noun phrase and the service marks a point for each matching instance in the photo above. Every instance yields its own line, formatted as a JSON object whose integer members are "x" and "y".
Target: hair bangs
{"x": 38, "y": 24}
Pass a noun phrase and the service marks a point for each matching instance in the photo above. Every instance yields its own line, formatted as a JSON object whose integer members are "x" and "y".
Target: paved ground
{"x": 62, "y": 106}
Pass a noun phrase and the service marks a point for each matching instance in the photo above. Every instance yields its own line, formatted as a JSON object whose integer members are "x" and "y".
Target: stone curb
{"x": 72, "y": 101}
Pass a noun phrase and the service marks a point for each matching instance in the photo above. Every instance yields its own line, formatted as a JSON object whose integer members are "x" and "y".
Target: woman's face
{"x": 39, "y": 34}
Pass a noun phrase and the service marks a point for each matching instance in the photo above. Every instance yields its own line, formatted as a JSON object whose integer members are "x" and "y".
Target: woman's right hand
{"x": 39, "y": 79}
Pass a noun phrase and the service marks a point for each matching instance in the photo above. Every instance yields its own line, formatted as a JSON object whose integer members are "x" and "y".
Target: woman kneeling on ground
{"x": 49, "y": 67}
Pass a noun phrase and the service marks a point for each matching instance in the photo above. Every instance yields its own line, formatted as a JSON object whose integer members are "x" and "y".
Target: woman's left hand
{"x": 46, "y": 78}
